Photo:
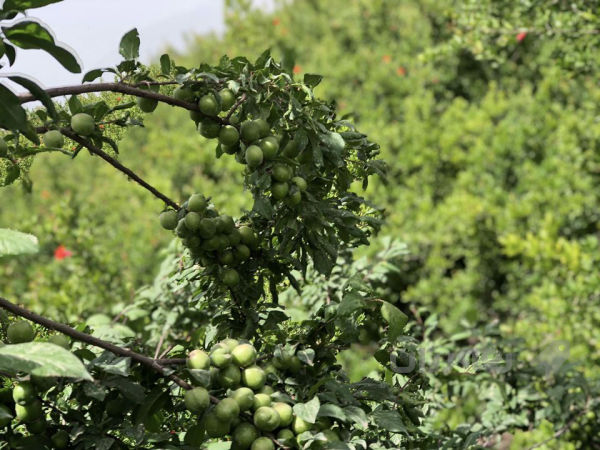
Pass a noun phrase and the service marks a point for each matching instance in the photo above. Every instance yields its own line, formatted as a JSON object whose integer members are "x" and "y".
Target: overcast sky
{"x": 93, "y": 28}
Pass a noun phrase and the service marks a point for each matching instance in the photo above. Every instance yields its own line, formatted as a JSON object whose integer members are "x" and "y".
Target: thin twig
{"x": 235, "y": 106}
{"x": 92, "y": 340}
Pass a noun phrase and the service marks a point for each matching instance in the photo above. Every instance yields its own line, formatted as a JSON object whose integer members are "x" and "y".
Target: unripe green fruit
{"x": 280, "y": 190}
{"x": 60, "y": 439}
{"x": 230, "y": 278}
{"x": 266, "y": 418}
{"x": 294, "y": 198}
{"x": 244, "y": 398}
{"x": 214, "y": 426}
{"x": 194, "y": 436}
{"x": 192, "y": 221}
{"x": 197, "y": 203}
{"x": 285, "y": 413}
{"x": 227, "y": 409}
{"x": 5, "y": 416}
{"x": 225, "y": 224}
{"x": 250, "y": 131}
{"x": 229, "y": 343}
{"x": 294, "y": 364}
{"x": 3, "y": 148}
{"x": 147, "y": 105}
{"x": 168, "y": 219}
{"x": 209, "y": 128}
{"x": 83, "y": 124}
{"x": 181, "y": 229}
{"x": 208, "y": 105}
{"x": 254, "y": 377}
{"x": 229, "y": 377}
{"x": 263, "y": 443}
{"x": 227, "y": 99}
{"x": 229, "y": 136}
{"x": 300, "y": 183}
{"x": 220, "y": 357}
{"x": 242, "y": 252}
{"x": 254, "y": 156}
{"x": 300, "y": 425}
{"x": 196, "y": 400}
{"x": 19, "y": 332}
{"x": 37, "y": 427}
{"x": 261, "y": 400}
{"x": 196, "y": 116}
{"x": 281, "y": 172}
{"x": 286, "y": 436}
{"x": 222, "y": 242}
{"x": 244, "y": 435}
{"x": 269, "y": 146}
{"x": 244, "y": 355}
{"x": 23, "y": 393}
{"x": 249, "y": 237}
{"x": 183, "y": 93}
{"x": 331, "y": 436}
{"x": 291, "y": 149}
{"x": 207, "y": 228}
{"x": 230, "y": 150}
{"x": 211, "y": 244}
{"x": 198, "y": 359}
{"x": 53, "y": 138}
{"x": 30, "y": 412}
{"x": 234, "y": 237}
{"x": 226, "y": 258}
{"x": 323, "y": 423}
{"x": 263, "y": 127}
{"x": 266, "y": 389}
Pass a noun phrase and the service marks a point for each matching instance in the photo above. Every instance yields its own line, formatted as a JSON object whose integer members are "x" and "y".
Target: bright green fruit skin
{"x": 197, "y": 203}
{"x": 266, "y": 389}
{"x": 249, "y": 237}
{"x": 229, "y": 136}
{"x": 263, "y": 443}
{"x": 261, "y": 400}
{"x": 227, "y": 99}
{"x": 198, "y": 359}
{"x": 168, "y": 220}
{"x": 250, "y": 131}
{"x": 207, "y": 228}
{"x": 266, "y": 418}
{"x": 3, "y": 147}
{"x": 294, "y": 198}
{"x": 220, "y": 357}
{"x": 196, "y": 400}
{"x": 244, "y": 435}
{"x": 19, "y": 332}
{"x": 209, "y": 129}
{"x": 280, "y": 190}
{"x": 290, "y": 150}
{"x": 214, "y": 426}
{"x": 184, "y": 94}
{"x": 53, "y": 138}
{"x": 208, "y": 105}
{"x": 263, "y": 127}
{"x": 242, "y": 253}
{"x": 295, "y": 364}
{"x": 281, "y": 172}
{"x": 230, "y": 343}
{"x": 192, "y": 221}
{"x": 300, "y": 425}
{"x": 227, "y": 409}
{"x": 244, "y": 398}
{"x": 285, "y": 435}
{"x": 244, "y": 355}
{"x": 229, "y": 377}
{"x": 254, "y": 377}
{"x": 60, "y": 439}
{"x": 4, "y": 421}
{"x": 196, "y": 116}
{"x": 83, "y": 124}
{"x": 23, "y": 393}
{"x": 225, "y": 224}
{"x": 300, "y": 183}
{"x": 230, "y": 277}
{"x": 194, "y": 435}
{"x": 254, "y": 156}
{"x": 269, "y": 146}
{"x": 30, "y": 412}
{"x": 147, "y": 105}
{"x": 285, "y": 413}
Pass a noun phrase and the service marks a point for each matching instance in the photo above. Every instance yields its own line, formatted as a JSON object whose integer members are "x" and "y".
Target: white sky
{"x": 93, "y": 29}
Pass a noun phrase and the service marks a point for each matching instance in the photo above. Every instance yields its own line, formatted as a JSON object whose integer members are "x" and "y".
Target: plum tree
{"x": 53, "y": 138}
{"x": 19, "y": 332}
{"x": 83, "y": 124}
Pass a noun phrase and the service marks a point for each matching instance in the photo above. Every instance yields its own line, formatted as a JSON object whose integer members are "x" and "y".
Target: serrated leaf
{"x": 390, "y": 420}
{"x": 396, "y": 319}
{"x": 16, "y": 243}
{"x": 129, "y": 47}
{"x": 308, "y": 411}
{"x": 42, "y": 359}
{"x": 332, "y": 410}
{"x": 357, "y": 415}
{"x": 350, "y": 303}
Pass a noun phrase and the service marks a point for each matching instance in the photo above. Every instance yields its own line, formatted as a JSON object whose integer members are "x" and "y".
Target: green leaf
{"x": 309, "y": 410}
{"x": 165, "y": 64}
{"x": 396, "y": 319}
{"x": 75, "y": 105}
{"x": 357, "y": 415}
{"x": 312, "y": 80}
{"x": 263, "y": 207}
{"x": 22, "y": 5}
{"x": 12, "y": 114}
{"x": 129, "y": 47}
{"x": 390, "y": 420}
{"x": 334, "y": 141}
{"x": 16, "y": 243}
{"x": 5, "y": 414}
{"x": 28, "y": 34}
{"x": 350, "y": 303}
{"x": 42, "y": 359}
{"x": 38, "y": 93}
{"x": 331, "y": 410}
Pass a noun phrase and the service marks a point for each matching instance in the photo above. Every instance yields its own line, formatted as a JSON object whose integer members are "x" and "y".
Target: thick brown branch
{"x": 120, "y": 88}
{"x": 92, "y": 340}
{"x": 117, "y": 165}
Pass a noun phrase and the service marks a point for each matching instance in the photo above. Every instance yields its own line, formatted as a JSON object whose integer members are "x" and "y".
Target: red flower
{"x": 522, "y": 35}
{"x": 61, "y": 252}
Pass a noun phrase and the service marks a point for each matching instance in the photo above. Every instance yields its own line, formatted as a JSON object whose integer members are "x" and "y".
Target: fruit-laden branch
{"x": 88, "y": 339}
{"x": 121, "y": 88}
{"x": 117, "y": 165}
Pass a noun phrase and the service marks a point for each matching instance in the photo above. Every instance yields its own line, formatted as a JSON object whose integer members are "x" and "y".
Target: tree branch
{"x": 92, "y": 340}
{"x": 121, "y": 88}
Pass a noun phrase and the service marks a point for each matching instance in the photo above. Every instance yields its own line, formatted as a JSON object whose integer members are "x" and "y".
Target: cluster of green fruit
{"x": 250, "y": 411}
{"x": 212, "y": 238}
